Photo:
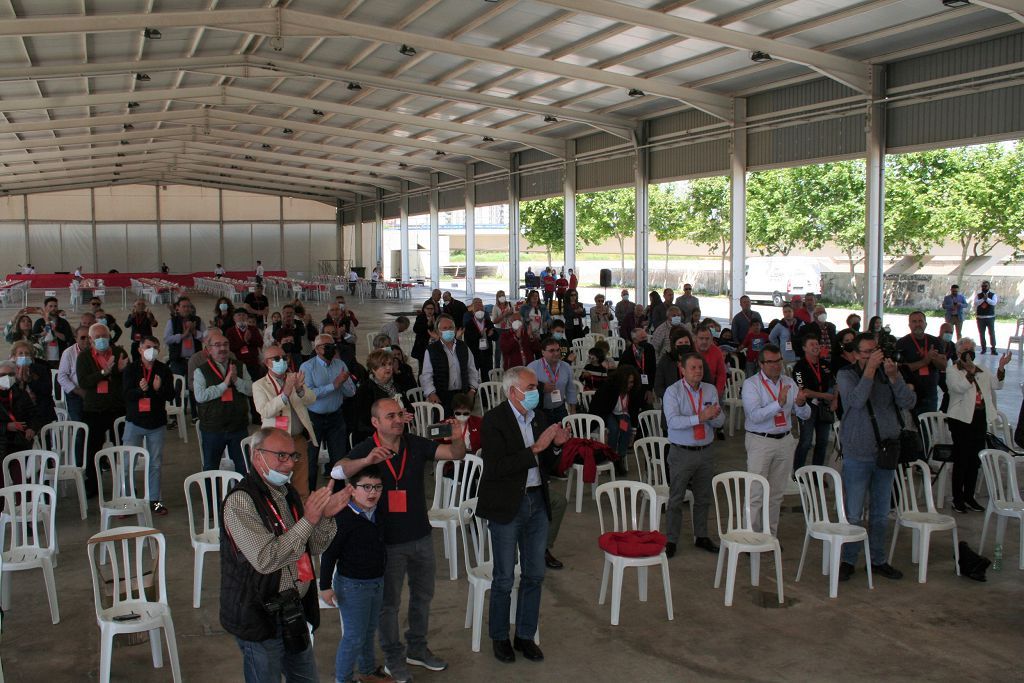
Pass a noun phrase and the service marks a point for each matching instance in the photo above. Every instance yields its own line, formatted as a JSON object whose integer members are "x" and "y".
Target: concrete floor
{"x": 948, "y": 629}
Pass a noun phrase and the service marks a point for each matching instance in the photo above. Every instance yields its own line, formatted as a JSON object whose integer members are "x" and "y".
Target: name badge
{"x": 579, "y": 322}
{"x": 228, "y": 396}
{"x": 556, "y": 396}
{"x": 924, "y": 371}
{"x": 644, "y": 380}
{"x": 136, "y": 337}
{"x": 396, "y": 501}
{"x": 186, "y": 343}
{"x": 624, "y": 424}
{"x": 483, "y": 344}
{"x": 305, "y": 567}
{"x": 281, "y": 422}
{"x": 243, "y": 351}
{"x": 699, "y": 432}
{"x": 103, "y": 387}
{"x": 780, "y": 420}
{"x": 789, "y": 346}
{"x": 144, "y": 405}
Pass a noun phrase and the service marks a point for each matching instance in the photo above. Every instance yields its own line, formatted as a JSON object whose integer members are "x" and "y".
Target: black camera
{"x": 890, "y": 351}
{"x": 287, "y": 606}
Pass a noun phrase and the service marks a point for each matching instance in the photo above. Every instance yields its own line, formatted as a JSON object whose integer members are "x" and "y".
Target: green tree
{"x": 707, "y": 218}
{"x": 542, "y": 223}
{"x": 608, "y": 214}
{"x": 775, "y": 218}
{"x": 667, "y": 216}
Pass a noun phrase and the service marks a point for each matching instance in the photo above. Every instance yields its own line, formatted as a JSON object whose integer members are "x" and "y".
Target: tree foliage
{"x": 607, "y": 215}
{"x": 542, "y": 223}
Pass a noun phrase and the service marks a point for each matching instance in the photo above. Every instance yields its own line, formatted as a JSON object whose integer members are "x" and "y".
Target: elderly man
{"x": 100, "y": 375}
{"x": 480, "y": 336}
{"x": 53, "y": 332}
{"x": 713, "y": 358}
{"x": 555, "y": 377}
{"x": 805, "y": 313}
{"x": 513, "y": 497}
{"x": 624, "y": 307}
{"x": 183, "y": 336}
{"x": 282, "y": 400}
{"x": 454, "y": 308}
{"x": 769, "y": 399}
{"x": 741, "y": 321}
{"x": 67, "y": 374}
{"x": 660, "y": 338}
{"x": 330, "y": 382}
{"x": 395, "y": 328}
{"x": 268, "y": 541}
{"x": 406, "y": 529}
{"x": 448, "y": 367}
{"x": 222, "y": 388}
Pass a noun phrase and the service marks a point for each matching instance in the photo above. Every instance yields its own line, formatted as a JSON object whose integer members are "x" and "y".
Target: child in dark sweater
{"x": 357, "y": 587}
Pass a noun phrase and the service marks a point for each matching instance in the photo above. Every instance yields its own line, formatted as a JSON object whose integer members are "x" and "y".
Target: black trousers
{"x": 99, "y": 424}
{"x": 968, "y": 441}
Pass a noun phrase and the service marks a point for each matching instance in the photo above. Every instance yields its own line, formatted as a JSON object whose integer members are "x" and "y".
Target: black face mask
{"x": 967, "y": 355}
{"x": 682, "y": 351}
{"x": 329, "y": 352}
{"x": 848, "y": 347}
{"x": 855, "y": 327}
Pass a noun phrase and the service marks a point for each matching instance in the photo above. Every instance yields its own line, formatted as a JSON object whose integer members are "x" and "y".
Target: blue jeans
{"x": 265, "y": 661}
{"x": 214, "y": 444}
{"x": 359, "y": 601}
{"x": 818, "y": 431}
{"x": 133, "y": 436}
{"x": 529, "y": 531}
{"x": 862, "y": 479}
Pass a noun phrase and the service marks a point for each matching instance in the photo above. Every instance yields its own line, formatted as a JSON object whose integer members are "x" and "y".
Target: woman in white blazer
{"x": 972, "y": 407}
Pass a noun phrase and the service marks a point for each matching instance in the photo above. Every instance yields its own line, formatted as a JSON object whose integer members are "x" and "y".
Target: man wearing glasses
{"x": 554, "y": 375}
{"x": 269, "y": 539}
{"x": 222, "y": 389}
{"x": 770, "y": 398}
{"x": 407, "y": 531}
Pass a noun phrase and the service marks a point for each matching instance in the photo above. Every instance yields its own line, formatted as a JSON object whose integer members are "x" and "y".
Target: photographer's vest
{"x": 243, "y": 590}
{"x": 439, "y": 364}
{"x": 177, "y": 327}
{"x": 223, "y": 416}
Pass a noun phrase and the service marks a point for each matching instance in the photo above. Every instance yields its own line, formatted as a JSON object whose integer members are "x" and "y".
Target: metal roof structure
{"x": 332, "y": 100}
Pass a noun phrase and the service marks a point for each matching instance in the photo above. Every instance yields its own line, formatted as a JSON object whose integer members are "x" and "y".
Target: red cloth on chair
{"x": 633, "y": 543}
{"x": 588, "y": 451}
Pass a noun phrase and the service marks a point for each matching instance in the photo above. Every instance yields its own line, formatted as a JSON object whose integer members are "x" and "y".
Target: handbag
{"x": 891, "y": 452}
{"x": 824, "y": 414}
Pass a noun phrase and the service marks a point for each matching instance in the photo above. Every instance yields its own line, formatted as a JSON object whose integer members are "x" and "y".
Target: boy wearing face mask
{"x": 148, "y": 386}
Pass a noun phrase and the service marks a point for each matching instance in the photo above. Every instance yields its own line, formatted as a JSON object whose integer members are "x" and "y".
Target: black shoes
{"x": 974, "y": 505}
{"x": 551, "y": 562}
{"x": 845, "y": 571}
{"x": 960, "y": 507}
{"x": 887, "y": 570}
{"x": 670, "y": 549}
{"x": 706, "y": 543}
{"x": 529, "y": 649}
{"x": 503, "y": 651}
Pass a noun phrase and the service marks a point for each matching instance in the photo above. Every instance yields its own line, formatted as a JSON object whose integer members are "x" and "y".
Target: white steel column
{"x": 641, "y": 181}
{"x": 470, "y": 225}
{"x": 569, "y": 193}
{"x": 874, "y": 246}
{"x": 357, "y": 243}
{"x": 738, "y": 204}
{"x": 403, "y": 218}
{"x": 513, "y": 227}
{"x": 378, "y": 231}
{"x": 435, "y": 231}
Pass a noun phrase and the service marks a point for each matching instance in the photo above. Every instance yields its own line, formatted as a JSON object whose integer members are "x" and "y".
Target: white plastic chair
{"x": 68, "y": 440}
{"x": 739, "y": 536}
{"x": 58, "y": 391}
{"x": 426, "y": 413}
{"x": 130, "y": 610}
{"x": 911, "y": 496}
{"x": 616, "y": 345}
{"x": 732, "y": 400}
{"x": 651, "y": 454}
{"x": 585, "y": 426}
{"x": 1004, "y": 499}
{"x": 213, "y": 487}
{"x": 584, "y": 401}
{"x": 35, "y": 467}
{"x": 1001, "y": 427}
{"x": 415, "y": 395}
{"x": 4, "y": 522}
{"x": 126, "y": 498}
{"x": 116, "y": 437}
{"x": 814, "y": 481}
{"x": 1017, "y": 337}
{"x": 493, "y": 376}
{"x": 176, "y": 407}
{"x": 579, "y": 387}
{"x": 935, "y": 431}
{"x": 650, "y": 423}
{"x": 29, "y": 512}
{"x": 630, "y": 502}
{"x": 449, "y": 494}
{"x": 491, "y": 394}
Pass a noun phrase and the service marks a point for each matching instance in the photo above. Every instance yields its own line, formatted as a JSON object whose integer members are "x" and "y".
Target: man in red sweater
{"x": 715, "y": 372}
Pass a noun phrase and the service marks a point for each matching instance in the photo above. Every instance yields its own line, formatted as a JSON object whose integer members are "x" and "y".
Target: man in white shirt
{"x": 259, "y": 272}
{"x": 67, "y": 374}
{"x": 985, "y": 312}
{"x": 769, "y": 399}
{"x": 448, "y": 367}
{"x": 394, "y": 328}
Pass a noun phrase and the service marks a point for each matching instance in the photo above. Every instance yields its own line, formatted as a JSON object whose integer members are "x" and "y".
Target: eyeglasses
{"x": 83, "y": 338}
{"x": 371, "y": 488}
{"x": 282, "y": 456}
{"x": 771, "y": 362}
{"x": 460, "y": 414}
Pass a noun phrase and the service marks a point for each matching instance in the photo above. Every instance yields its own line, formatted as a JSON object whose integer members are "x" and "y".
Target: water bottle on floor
{"x": 997, "y": 564}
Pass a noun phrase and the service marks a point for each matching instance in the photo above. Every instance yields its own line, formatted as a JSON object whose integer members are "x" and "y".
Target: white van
{"x": 778, "y": 279}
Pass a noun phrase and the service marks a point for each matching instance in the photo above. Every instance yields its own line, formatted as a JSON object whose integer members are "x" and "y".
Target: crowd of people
{"x": 304, "y": 384}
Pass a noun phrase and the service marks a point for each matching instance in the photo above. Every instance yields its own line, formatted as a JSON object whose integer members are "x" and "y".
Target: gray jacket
{"x": 855, "y": 432}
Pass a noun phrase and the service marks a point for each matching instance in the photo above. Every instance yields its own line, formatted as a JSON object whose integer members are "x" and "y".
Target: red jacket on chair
{"x": 589, "y": 451}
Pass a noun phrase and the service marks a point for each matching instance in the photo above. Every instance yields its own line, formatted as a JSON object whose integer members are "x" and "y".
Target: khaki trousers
{"x": 773, "y": 460}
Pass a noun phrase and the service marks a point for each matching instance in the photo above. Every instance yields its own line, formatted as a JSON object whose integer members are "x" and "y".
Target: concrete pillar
{"x": 470, "y": 221}
{"x": 339, "y": 220}
{"x": 641, "y": 181}
{"x": 513, "y": 227}
{"x": 874, "y": 246}
{"x": 378, "y": 231}
{"x": 403, "y": 226}
{"x": 569, "y": 193}
{"x": 357, "y": 237}
{"x": 435, "y": 232}
{"x": 738, "y": 204}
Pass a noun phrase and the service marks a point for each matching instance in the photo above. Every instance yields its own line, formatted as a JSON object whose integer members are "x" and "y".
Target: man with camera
{"x": 869, "y": 432}
{"x": 922, "y": 357}
{"x": 407, "y": 531}
{"x": 267, "y": 543}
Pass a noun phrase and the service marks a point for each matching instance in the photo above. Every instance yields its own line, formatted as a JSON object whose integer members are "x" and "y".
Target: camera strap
{"x": 304, "y": 563}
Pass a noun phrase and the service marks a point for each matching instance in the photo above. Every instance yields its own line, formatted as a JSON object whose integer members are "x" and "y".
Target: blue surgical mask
{"x": 531, "y": 399}
{"x": 448, "y": 335}
{"x": 273, "y": 476}
{"x": 947, "y": 337}
{"x": 677, "y": 320}
{"x": 279, "y": 366}
{"x": 101, "y": 344}
{"x": 715, "y": 332}
{"x": 222, "y": 307}
{"x": 558, "y": 335}
{"x": 22, "y": 361}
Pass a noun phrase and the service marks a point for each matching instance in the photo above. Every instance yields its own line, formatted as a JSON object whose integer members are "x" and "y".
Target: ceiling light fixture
{"x": 759, "y": 57}
{"x": 488, "y": 138}
{"x": 288, "y": 131}
{"x": 248, "y": 157}
{"x": 133, "y": 105}
{"x": 128, "y": 126}
{"x": 550, "y": 119}
{"x": 153, "y": 34}
{"x": 956, "y": 3}
{"x": 439, "y": 153}
{"x": 317, "y": 112}
{"x": 354, "y": 86}
{"x": 636, "y": 92}
{"x": 265, "y": 146}
{"x": 407, "y": 50}
{"x": 142, "y": 77}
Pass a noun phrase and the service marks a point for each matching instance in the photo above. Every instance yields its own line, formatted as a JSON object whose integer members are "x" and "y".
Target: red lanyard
{"x": 401, "y": 470}
{"x": 217, "y": 372}
{"x": 279, "y": 390}
{"x": 277, "y": 515}
{"x": 924, "y": 352}
{"x": 97, "y": 358}
{"x": 816, "y": 369}
{"x": 624, "y": 403}
{"x": 147, "y": 375}
{"x": 700, "y": 398}
{"x": 480, "y": 325}
{"x": 638, "y": 353}
{"x": 769, "y": 389}
{"x": 547, "y": 369}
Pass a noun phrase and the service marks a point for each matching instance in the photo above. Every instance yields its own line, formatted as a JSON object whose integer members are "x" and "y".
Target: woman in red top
{"x": 561, "y": 288}
{"x": 752, "y": 344}
{"x": 517, "y": 347}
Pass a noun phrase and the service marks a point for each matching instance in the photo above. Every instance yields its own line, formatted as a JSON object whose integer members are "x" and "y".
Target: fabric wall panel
{"x": 174, "y": 245}
{"x": 205, "y": 246}
{"x": 12, "y": 246}
{"x": 296, "y": 247}
{"x": 142, "y": 255}
{"x": 323, "y": 244}
{"x": 238, "y": 246}
{"x": 266, "y": 245}
{"x": 76, "y": 246}
{"x": 112, "y": 247}
{"x": 44, "y": 246}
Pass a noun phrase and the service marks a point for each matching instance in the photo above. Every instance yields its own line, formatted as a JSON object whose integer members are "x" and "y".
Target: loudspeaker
{"x": 606, "y": 277}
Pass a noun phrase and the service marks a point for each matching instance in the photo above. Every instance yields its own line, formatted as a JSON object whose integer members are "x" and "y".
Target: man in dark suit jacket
{"x": 640, "y": 354}
{"x": 513, "y": 496}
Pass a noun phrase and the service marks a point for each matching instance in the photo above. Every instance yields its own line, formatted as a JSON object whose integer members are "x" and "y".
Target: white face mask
{"x": 502, "y": 299}
{"x": 6, "y": 382}
{"x": 822, "y": 317}
{"x": 149, "y": 354}
{"x": 479, "y": 315}
{"x": 517, "y": 325}
{"x": 462, "y": 418}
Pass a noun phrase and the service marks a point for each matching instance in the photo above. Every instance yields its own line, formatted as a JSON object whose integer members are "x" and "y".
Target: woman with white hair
{"x": 972, "y": 406}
